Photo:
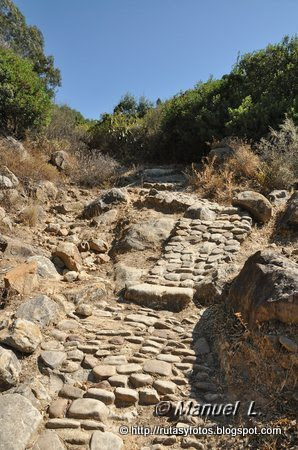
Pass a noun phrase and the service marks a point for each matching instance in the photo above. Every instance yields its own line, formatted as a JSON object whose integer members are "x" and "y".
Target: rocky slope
{"x": 118, "y": 300}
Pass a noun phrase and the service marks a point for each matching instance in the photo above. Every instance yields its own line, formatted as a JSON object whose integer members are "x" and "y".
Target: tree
{"x": 24, "y": 101}
{"x": 28, "y": 42}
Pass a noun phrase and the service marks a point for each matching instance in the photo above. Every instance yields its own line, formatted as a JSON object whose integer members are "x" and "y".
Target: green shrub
{"x": 24, "y": 102}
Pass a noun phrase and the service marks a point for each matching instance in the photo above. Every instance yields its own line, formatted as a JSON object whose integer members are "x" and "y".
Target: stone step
{"x": 160, "y": 297}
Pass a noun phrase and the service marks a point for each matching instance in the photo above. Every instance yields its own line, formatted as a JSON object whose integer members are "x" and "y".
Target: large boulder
{"x": 19, "y": 422}
{"x": 145, "y": 235}
{"x": 22, "y": 279}
{"x": 22, "y": 335}
{"x": 45, "y": 190}
{"x": 290, "y": 216}
{"x": 259, "y": 206}
{"x": 105, "y": 441}
{"x": 266, "y": 289}
{"x": 10, "y": 369}
{"x": 126, "y": 276}
{"x": 40, "y": 309}
{"x": 105, "y": 202}
{"x": 69, "y": 254}
{"x": 17, "y": 250}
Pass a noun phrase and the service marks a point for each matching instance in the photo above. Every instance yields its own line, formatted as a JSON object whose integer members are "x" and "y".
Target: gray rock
{"x": 148, "y": 396}
{"x": 48, "y": 440}
{"x": 160, "y": 297}
{"x": 105, "y": 202}
{"x": 22, "y": 335}
{"x": 8, "y": 179}
{"x": 200, "y": 212}
{"x": 59, "y": 159}
{"x": 88, "y": 408}
{"x": 19, "y": 422}
{"x": 145, "y": 235}
{"x": 16, "y": 147}
{"x": 156, "y": 367}
{"x": 279, "y": 197}
{"x": 10, "y": 369}
{"x": 290, "y": 216}
{"x": 288, "y": 344}
{"x": 221, "y": 154}
{"x": 256, "y": 204}
{"x": 40, "y": 310}
{"x": 45, "y": 268}
{"x": 104, "y": 396}
{"x": 126, "y": 276}
{"x": 53, "y": 359}
{"x": 105, "y": 441}
{"x": 126, "y": 396}
{"x": 266, "y": 289}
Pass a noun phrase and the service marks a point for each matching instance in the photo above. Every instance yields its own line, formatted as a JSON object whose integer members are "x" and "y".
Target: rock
{"x": 105, "y": 441}
{"x": 126, "y": 369}
{"x": 101, "y": 394}
{"x": 45, "y": 191}
{"x": 105, "y": 202}
{"x": 160, "y": 297}
{"x": 22, "y": 335}
{"x": 22, "y": 279}
{"x": 53, "y": 359}
{"x": 288, "y": 344}
{"x": 156, "y": 367}
{"x": 126, "y": 276}
{"x": 115, "y": 360}
{"x": 126, "y": 396}
{"x": 17, "y": 250}
{"x": 74, "y": 437}
{"x": 197, "y": 211}
{"x": 290, "y": 216}
{"x": 165, "y": 387}
{"x": 69, "y": 254}
{"x": 71, "y": 276}
{"x": 266, "y": 289}
{"x": 58, "y": 408}
{"x": 92, "y": 293}
{"x": 103, "y": 372}
{"x": 256, "y": 204}
{"x": 16, "y": 147}
{"x": 19, "y": 422}
{"x": 84, "y": 310}
{"x": 98, "y": 245}
{"x": 8, "y": 180}
{"x": 10, "y": 369}
{"x": 148, "y": 396}
{"x": 59, "y": 159}
{"x": 45, "y": 268}
{"x": 145, "y": 235}
{"x": 63, "y": 423}
{"x": 278, "y": 197}
{"x": 88, "y": 408}
{"x": 69, "y": 391}
{"x": 140, "y": 318}
{"x": 201, "y": 346}
{"x": 40, "y": 310}
{"x": 140, "y": 379}
{"x": 118, "y": 380}
{"x": 48, "y": 440}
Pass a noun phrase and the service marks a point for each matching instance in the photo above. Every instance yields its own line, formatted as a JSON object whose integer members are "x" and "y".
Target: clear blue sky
{"x": 105, "y": 48}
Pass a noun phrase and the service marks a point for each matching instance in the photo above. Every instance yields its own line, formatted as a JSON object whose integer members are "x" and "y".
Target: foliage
{"x": 279, "y": 151}
{"x": 28, "y": 42}
{"x": 24, "y": 102}
{"x": 130, "y": 107}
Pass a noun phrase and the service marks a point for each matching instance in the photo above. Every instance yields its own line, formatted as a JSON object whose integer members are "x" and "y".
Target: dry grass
{"x": 35, "y": 167}
{"x": 220, "y": 181}
{"x": 31, "y": 214}
{"x": 93, "y": 169}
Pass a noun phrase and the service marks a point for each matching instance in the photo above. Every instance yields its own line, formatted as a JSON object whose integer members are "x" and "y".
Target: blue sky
{"x": 105, "y": 48}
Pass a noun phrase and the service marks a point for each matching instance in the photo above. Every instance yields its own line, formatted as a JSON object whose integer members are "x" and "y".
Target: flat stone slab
{"x": 160, "y": 297}
{"x": 105, "y": 441}
{"x": 19, "y": 421}
{"x": 88, "y": 408}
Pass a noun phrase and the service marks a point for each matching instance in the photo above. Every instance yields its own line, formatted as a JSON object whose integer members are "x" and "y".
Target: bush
{"x": 279, "y": 151}
{"x": 24, "y": 102}
{"x": 92, "y": 169}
